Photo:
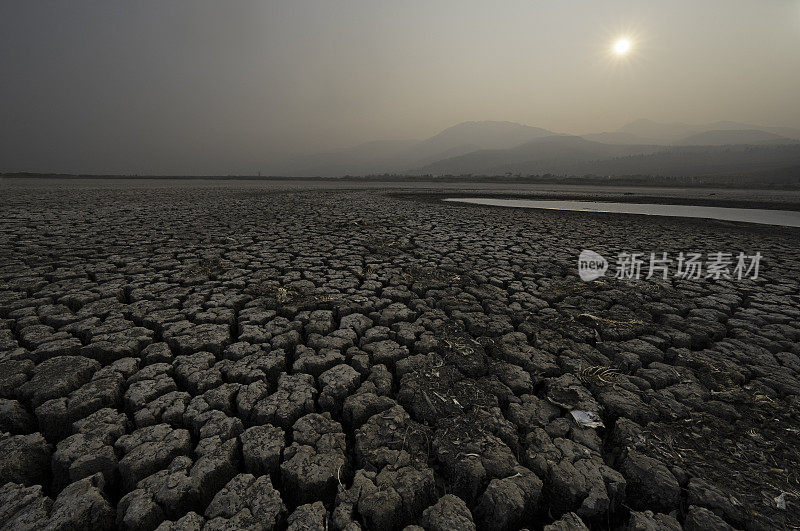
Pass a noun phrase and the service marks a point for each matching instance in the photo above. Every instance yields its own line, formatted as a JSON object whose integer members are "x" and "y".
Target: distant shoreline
{"x": 728, "y": 182}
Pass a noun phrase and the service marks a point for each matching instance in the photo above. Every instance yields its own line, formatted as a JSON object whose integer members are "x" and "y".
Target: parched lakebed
{"x": 220, "y": 355}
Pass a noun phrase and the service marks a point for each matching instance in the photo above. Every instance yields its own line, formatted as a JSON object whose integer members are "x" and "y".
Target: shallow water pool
{"x": 786, "y": 218}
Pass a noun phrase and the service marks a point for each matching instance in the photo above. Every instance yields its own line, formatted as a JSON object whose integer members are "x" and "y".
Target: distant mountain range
{"x": 676, "y": 132}
{"x": 401, "y": 155}
{"x": 723, "y": 137}
{"x": 642, "y": 147}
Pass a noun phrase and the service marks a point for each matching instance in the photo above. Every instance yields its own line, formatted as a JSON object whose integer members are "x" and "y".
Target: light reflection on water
{"x": 787, "y": 218}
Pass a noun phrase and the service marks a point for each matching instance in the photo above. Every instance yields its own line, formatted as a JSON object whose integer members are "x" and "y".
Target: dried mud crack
{"x": 250, "y": 356}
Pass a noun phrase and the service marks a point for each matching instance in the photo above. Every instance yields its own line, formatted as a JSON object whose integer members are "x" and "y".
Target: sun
{"x": 622, "y": 46}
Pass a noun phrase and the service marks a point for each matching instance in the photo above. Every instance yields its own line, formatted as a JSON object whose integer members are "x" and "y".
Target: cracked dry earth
{"x": 250, "y": 356}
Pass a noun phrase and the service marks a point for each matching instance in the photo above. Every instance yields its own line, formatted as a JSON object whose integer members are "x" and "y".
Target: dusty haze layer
{"x": 215, "y": 88}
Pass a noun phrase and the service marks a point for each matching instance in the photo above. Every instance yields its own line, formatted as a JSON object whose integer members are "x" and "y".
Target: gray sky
{"x": 202, "y": 86}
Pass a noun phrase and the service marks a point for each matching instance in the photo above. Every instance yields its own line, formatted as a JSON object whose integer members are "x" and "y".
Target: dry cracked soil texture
{"x": 184, "y": 356}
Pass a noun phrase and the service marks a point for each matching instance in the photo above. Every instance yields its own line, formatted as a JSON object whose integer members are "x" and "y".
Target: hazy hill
{"x": 577, "y": 156}
{"x": 464, "y": 138}
{"x": 648, "y": 131}
{"x": 734, "y": 136}
{"x": 691, "y": 161}
{"x": 395, "y": 156}
{"x": 617, "y": 137}
{"x": 537, "y": 155}
{"x": 494, "y": 148}
{"x": 788, "y": 132}
{"x": 481, "y": 135}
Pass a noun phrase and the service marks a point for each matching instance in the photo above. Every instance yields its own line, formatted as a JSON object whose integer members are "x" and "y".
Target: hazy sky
{"x": 208, "y": 86}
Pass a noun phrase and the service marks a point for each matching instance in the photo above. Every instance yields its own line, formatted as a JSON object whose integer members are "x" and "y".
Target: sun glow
{"x": 622, "y": 46}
